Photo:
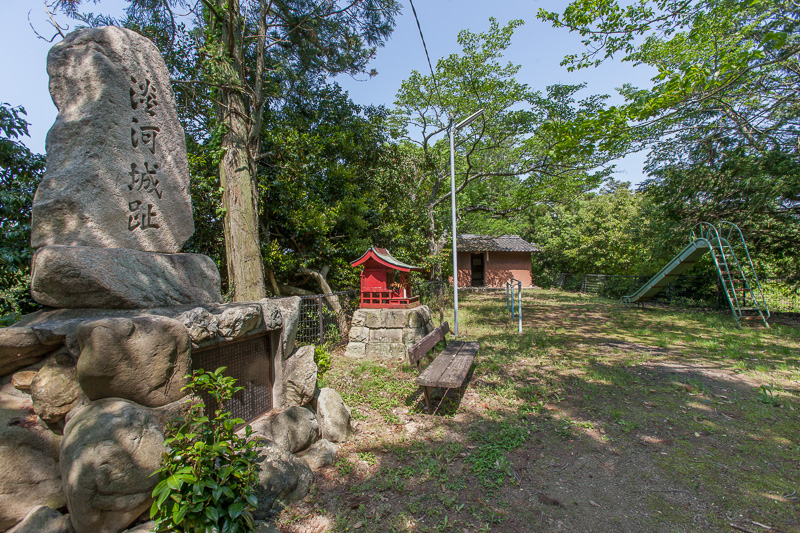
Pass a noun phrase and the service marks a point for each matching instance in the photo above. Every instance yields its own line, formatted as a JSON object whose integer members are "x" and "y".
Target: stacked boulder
{"x": 301, "y": 438}
{"x": 82, "y": 427}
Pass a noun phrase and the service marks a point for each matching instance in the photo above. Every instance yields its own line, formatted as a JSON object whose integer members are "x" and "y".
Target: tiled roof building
{"x": 484, "y": 243}
{"x": 487, "y": 261}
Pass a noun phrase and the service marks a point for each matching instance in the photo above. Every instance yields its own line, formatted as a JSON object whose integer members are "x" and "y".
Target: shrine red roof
{"x": 382, "y": 256}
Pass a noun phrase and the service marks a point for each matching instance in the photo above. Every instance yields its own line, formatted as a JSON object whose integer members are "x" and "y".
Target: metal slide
{"x": 737, "y": 277}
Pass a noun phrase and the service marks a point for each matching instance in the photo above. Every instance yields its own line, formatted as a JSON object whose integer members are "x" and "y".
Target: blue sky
{"x": 536, "y": 46}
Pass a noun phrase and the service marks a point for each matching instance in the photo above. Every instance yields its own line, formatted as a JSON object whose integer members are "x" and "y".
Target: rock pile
{"x": 387, "y": 333}
{"x": 82, "y": 427}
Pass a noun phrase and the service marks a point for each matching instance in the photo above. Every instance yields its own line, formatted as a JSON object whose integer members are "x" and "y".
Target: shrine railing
{"x": 385, "y": 298}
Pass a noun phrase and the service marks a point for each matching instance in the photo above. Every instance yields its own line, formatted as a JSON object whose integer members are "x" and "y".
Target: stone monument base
{"x": 78, "y": 277}
{"x": 387, "y": 333}
{"x": 85, "y": 395}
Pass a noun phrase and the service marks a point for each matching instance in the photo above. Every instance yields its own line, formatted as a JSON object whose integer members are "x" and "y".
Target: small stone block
{"x": 356, "y": 349}
{"x": 372, "y": 318}
{"x": 414, "y": 318}
{"x": 22, "y": 380}
{"x": 397, "y": 350}
{"x": 412, "y": 336}
{"x": 393, "y": 318}
{"x": 359, "y": 318}
{"x": 359, "y": 334}
{"x": 378, "y": 350}
{"x": 426, "y": 312}
{"x": 385, "y": 335}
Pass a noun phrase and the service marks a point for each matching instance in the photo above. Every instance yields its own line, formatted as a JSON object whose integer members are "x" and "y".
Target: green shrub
{"x": 323, "y": 359}
{"x": 208, "y": 475}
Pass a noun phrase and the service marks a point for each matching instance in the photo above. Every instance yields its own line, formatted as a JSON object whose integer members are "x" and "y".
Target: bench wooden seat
{"x": 450, "y": 367}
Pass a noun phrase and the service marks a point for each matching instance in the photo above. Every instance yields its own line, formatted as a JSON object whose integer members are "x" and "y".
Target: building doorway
{"x": 477, "y": 270}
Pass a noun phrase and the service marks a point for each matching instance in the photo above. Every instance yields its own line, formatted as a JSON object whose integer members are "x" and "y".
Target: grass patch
{"x": 489, "y": 462}
{"x": 667, "y": 419}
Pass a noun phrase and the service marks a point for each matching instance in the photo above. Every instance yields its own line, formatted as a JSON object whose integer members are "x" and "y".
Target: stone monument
{"x": 114, "y": 207}
{"x": 86, "y": 390}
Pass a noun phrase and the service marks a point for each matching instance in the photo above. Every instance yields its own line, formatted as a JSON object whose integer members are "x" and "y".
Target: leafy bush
{"x": 208, "y": 474}
{"x": 20, "y": 173}
{"x": 323, "y": 359}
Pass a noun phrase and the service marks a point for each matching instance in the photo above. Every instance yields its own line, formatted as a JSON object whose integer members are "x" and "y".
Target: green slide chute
{"x": 735, "y": 269}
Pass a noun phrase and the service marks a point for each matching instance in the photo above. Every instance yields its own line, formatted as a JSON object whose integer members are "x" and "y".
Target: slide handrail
{"x": 731, "y": 228}
{"x": 709, "y": 232}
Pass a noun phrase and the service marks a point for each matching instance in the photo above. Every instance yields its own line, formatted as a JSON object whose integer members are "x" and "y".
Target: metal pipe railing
{"x": 510, "y": 285}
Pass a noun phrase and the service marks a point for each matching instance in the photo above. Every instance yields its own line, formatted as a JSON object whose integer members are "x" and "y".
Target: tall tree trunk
{"x": 245, "y": 267}
{"x": 237, "y": 176}
{"x": 434, "y": 246}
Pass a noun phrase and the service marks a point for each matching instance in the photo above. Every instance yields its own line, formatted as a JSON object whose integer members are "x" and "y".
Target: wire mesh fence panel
{"x": 594, "y": 284}
{"x": 684, "y": 290}
{"x": 436, "y": 294}
{"x": 325, "y": 318}
{"x": 615, "y": 286}
{"x": 248, "y": 361}
{"x": 567, "y": 282}
{"x": 781, "y": 295}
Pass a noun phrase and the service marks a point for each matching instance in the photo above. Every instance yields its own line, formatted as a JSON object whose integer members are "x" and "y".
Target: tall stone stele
{"x": 114, "y": 207}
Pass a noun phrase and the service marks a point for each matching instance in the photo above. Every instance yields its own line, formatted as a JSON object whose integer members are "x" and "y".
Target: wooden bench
{"x": 450, "y": 367}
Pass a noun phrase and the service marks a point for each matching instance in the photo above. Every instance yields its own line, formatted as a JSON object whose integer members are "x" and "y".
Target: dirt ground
{"x": 595, "y": 418}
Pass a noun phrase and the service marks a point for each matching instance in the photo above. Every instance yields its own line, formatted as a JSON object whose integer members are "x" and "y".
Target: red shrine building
{"x": 385, "y": 282}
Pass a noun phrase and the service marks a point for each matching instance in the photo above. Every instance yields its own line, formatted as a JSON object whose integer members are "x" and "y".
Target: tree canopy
{"x": 20, "y": 173}
{"x": 508, "y": 159}
{"x": 721, "y": 117}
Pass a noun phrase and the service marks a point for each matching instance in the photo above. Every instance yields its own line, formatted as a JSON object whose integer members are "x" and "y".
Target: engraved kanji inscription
{"x": 142, "y": 93}
{"x": 145, "y": 179}
{"x": 141, "y": 217}
{"x": 146, "y": 135}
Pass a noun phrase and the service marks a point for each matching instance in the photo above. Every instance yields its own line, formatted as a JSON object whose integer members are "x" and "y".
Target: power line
{"x": 430, "y": 66}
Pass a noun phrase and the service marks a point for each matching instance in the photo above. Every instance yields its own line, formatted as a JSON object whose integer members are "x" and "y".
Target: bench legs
{"x": 427, "y": 391}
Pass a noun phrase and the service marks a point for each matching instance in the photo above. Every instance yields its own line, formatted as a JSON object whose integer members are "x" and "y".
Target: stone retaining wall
{"x": 387, "y": 333}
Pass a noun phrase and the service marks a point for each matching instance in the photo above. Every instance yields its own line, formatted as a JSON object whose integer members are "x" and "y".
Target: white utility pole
{"x": 452, "y": 129}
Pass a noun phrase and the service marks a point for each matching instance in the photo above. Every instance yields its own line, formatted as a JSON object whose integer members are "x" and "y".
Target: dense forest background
{"x": 329, "y": 177}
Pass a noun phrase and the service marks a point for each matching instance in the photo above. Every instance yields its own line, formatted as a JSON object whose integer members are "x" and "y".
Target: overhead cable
{"x": 430, "y": 66}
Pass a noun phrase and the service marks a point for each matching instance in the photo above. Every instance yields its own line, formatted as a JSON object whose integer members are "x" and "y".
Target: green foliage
{"x": 721, "y": 115}
{"x": 325, "y": 185}
{"x": 20, "y": 173}
{"x": 323, "y": 359}
{"x": 758, "y": 192}
{"x": 209, "y": 236}
{"x": 375, "y": 386}
{"x": 489, "y": 462}
{"x": 208, "y": 474}
{"x": 767, "y": 395}
{"x": 612, "y": 231}
{"x": 505, "y": 161}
